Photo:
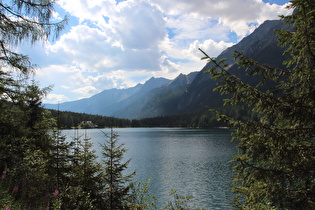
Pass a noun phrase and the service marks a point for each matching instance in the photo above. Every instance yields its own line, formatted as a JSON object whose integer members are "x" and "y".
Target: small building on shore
{"x": 87, "y": 124}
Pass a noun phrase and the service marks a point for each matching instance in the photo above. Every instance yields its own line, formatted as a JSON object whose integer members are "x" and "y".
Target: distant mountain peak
{"x": 154, "y": 82}
{"x": 183, "y": 79}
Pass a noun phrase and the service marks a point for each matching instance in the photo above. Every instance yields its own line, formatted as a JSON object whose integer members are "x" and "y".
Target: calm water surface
{"x": 192, "y": 161}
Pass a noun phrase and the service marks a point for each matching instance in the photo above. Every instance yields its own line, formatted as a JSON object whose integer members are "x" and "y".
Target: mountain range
{"x": 186, "y": 93}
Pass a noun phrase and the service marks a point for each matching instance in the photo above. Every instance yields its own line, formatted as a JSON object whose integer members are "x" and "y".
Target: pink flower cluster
{"x": 16, "y": 188}
{"x": 56, "y": 193}
{"x": 4, "y": 174}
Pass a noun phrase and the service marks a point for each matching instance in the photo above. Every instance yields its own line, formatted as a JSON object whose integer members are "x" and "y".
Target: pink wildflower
{"x": 56, "y": 192}
{"x": 4, "y": 174}
{"x": 16, "y": 188}
{"x": 7, "y": 208}
{"x": 23, "y": 182}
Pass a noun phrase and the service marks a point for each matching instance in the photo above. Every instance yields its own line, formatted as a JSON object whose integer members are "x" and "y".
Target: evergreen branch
{"x": 260, "y": 101}
{"x": 31, "y": 21}
{"x": 247, "y": 61}
{"x": 40, "y": 28}
{"x": 309, "y": 38}
{"x": 33, "y": 4}
{"x": 213, "y": 60}
{"x": 4, "y": 51}
{"x": 242, "y": 91}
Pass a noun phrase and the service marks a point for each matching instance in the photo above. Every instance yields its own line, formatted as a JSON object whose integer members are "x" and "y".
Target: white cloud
{"x": 70, "y": 82}
{"x": 89, "y": 10}
{"x": 212, "y": 48}
{"x": 230, "y": 13}
{"x": 52, "y": 98}
{"x": 85, "y": 91}
{"x": 130, "y": 41}
{"x": 169, "y": 67}
{"x": 138, "y": 25}
{"x": 85, "y": 47}
{"x": 190, "y": 26}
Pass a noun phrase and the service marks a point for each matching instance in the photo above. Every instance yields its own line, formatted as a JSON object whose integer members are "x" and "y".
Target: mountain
{"x": 154, "y": 102}
{"x": 186, "y": 93}
{"x": 105, "y": 102}
{"x": 123, "y": 103}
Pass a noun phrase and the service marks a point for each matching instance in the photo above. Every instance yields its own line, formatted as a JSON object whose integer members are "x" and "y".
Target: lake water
{"x": 193, "y": 162}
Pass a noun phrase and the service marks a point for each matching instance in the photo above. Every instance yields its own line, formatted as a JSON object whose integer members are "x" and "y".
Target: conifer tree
{"x": 275, "y": 164}
{"x": 117, "y": 184}
{"x": 60, "y": 161}
{"x": 86, "y": 172}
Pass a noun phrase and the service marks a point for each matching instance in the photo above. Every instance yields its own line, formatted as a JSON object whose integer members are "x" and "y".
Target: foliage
{"x": 86, "y": 172}
{"x": 118, "y": 184}
{"x": 140, "y": 197}
{"x": 24, "y": 141}
{"x": 74, "y": 197}
{"x": 25, "y": 20}
{"x": 276, "y": 153}
{"x": 180, "y": 202}
{"x": 197, "y": 119}
{"x": 59, "y": 161}
{"x": 68, "y": 119}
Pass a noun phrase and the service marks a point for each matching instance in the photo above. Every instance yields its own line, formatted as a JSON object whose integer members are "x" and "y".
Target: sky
{"x": 120, "y": 43}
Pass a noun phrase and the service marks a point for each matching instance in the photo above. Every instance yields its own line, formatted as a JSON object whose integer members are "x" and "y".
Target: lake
{"x": 193, "y": 162}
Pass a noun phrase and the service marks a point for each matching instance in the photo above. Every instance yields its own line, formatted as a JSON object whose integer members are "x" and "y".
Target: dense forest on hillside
{"x": 198, "y": 119}
{"x": 68, "y": 119}
{"x": 205, "y": 119}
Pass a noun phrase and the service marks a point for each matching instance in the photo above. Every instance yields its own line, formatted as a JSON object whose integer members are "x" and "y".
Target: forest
{"x": 67, "y": 120}
{"x": 275, "y": 128}
{"x": 197, "y": 119}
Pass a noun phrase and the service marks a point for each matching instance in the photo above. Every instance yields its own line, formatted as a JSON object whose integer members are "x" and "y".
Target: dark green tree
{"x": 86, "y": 172}
{"x": 60, "y": 161}
{"x": 117, "y": 184}
{"x": 275, "y": 164}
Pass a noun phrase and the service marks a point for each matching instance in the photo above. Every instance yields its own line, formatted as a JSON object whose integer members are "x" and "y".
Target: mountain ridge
{"x": 106, "y": 98}
{"x": 113, "y": 101}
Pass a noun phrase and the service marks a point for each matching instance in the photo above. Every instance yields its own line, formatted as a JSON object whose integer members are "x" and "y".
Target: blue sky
{"x": 117, "y": 44}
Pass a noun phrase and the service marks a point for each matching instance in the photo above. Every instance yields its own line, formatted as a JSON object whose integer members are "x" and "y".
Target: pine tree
{"x": 60, "y": 161}
{"x": 86, "y": 172}
{"x": 117, "y": 184}
{"x": 275, "y": 164}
